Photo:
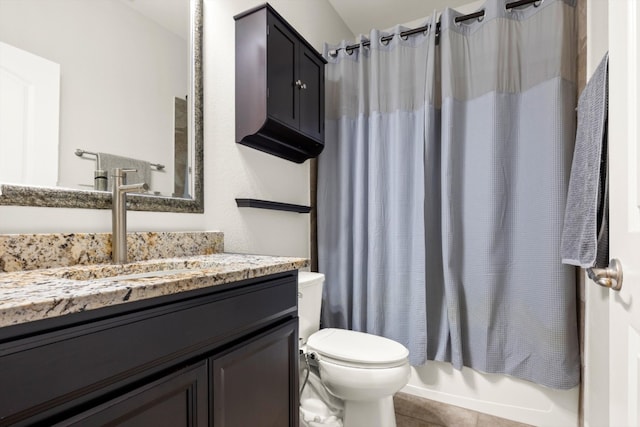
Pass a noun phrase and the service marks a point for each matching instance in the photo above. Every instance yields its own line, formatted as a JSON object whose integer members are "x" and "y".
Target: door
{"x": 255, "y": 384}
{"x": 179, "y": 399}
{"x": 282, "y": 59}
{"x": 311, "y": 72}
{"x": 624, "y": 187}
{"x": 29, "y": 117}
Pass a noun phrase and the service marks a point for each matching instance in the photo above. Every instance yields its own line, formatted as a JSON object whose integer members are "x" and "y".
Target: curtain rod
{"x": 462, "y": 18}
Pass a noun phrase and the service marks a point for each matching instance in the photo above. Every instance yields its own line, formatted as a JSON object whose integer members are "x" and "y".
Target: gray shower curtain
{"x": 371, "y": 189}
{"x": 440, "y": 205}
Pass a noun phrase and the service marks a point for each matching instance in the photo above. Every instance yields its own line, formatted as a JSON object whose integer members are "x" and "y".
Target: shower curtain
{"x": 442, "y": 187}
{"x": 371, "y": 196}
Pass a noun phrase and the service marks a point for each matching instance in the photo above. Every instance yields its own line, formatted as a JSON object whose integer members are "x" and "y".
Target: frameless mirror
{"x": 87, "y": 86}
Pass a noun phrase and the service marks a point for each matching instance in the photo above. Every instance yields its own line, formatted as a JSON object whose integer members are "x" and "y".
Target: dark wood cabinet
{"x": 177, "y": 360}
{"x": 283, "y": 95}
{"x": 177, "y": 400}
{"x": 312, "y": 95}
{"x": 279, "y": 87}
{"x": 252, "y": 382}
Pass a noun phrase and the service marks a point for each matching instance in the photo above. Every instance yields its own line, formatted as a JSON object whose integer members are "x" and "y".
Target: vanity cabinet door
{"x": 179, "y": 399}
{"x": 256, "y": 383}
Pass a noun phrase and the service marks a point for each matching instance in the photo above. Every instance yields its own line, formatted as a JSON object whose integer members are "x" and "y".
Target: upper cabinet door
{"x": 311, "y": 88}
{"x": 279, "y": 87}
{"x": 282, "y": 59}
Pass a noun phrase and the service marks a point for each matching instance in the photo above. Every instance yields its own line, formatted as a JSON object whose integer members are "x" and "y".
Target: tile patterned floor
{"x": 414, "y": 411}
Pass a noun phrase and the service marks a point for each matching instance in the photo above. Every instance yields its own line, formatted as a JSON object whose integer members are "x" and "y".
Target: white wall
{"x": 235, "y": 171}
{"x": 120, "y": 72}
{"x": 231, "y": 170}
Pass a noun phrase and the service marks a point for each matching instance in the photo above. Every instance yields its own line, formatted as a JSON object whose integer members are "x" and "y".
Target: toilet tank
{"x": 309, "y": 303}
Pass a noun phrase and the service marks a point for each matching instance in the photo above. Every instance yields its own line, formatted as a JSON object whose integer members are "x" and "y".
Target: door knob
{"x": 610, "y": 277}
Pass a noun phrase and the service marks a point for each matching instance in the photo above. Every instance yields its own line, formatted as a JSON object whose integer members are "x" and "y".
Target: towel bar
{"x": 81, "y": 153}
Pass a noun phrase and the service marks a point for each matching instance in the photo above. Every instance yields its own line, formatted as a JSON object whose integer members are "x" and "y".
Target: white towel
{"x": 108, "y": 162}
{"x": 585, "y": 236}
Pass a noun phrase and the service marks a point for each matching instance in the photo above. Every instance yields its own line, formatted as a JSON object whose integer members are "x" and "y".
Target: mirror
{"x": 94, "y": 85}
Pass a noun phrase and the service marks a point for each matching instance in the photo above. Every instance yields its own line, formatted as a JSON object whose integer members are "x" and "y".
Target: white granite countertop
{"x": 39, "y": 294}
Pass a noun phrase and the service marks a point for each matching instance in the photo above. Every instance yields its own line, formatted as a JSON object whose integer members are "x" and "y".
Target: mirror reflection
{"x": 86, "y": 86}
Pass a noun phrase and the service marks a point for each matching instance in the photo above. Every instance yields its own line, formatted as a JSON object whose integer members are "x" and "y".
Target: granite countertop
{"x": 39, "y": 294}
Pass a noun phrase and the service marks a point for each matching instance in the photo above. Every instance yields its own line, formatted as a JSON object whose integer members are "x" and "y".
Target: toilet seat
{"x": 357, "y": 349}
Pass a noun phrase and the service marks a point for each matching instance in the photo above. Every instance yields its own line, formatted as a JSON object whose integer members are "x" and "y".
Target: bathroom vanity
{"x": 212, "y": 342}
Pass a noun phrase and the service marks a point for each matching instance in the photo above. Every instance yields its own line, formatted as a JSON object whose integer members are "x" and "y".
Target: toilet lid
{"x": 357, "y": 347}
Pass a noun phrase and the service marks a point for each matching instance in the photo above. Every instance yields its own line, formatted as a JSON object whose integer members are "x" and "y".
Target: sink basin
{"x": 144, "y": 275}
{"x": 139, "y": 270}
{"x": 149, "y": 268}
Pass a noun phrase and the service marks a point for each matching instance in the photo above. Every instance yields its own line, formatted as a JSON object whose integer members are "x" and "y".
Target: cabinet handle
{"x": 300, "y": 85}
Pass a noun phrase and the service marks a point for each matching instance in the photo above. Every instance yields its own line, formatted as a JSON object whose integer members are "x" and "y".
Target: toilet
{"x": 360, "y": 369}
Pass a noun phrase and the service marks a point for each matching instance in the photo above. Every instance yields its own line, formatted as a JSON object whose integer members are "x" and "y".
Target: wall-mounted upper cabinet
{"x": 279, "y": 87}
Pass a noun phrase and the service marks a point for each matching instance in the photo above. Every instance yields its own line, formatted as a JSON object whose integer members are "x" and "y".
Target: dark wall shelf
{"x": 265, "y": 204}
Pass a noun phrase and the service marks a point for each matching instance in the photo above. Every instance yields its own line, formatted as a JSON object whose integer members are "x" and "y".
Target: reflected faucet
{"x": 119, "y": 213}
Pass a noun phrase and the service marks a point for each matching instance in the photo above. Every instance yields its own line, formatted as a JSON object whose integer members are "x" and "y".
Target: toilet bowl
{"x": 363, "y": 370}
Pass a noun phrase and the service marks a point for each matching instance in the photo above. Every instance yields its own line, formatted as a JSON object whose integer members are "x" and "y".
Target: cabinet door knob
{"x": 300, "y": 85}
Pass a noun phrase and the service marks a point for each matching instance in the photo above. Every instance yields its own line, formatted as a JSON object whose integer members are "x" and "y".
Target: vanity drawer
{"x": 49, "y": 373}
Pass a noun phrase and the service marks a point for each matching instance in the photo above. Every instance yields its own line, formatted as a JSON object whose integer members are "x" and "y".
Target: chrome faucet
{"x": 119, "y": 213}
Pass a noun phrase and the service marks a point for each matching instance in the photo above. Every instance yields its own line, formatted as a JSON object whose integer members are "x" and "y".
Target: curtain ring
{"x": 404, "y": 37}
{"x": 349, "y": 51}
{"x": 384, "y": 42}
{"x": 480, "y": 18}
